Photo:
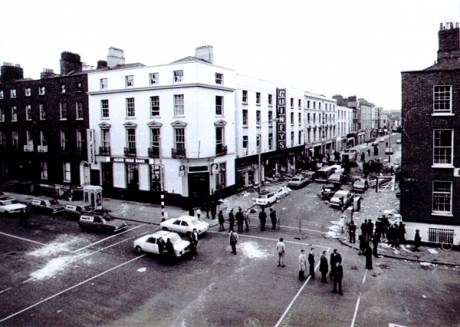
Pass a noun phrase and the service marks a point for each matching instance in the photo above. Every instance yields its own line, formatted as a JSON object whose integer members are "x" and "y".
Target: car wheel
{"x": 165, "y": 229}
{"x": 139, "y": 250}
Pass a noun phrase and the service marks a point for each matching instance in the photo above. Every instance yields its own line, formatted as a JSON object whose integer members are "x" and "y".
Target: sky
{"x": 348, "y": 47}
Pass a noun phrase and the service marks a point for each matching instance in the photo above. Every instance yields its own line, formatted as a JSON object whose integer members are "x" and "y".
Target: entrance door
{"x": 198, "y": 187}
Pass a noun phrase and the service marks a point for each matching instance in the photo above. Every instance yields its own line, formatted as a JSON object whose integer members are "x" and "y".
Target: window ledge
{"x": 105, "y": 118}
{"x": 442, "y": 214}
{"x": 245, "y": 126}
{"x": 441, "y": 114}
{"x": 179, "y": 116}
{"x": 443, "y": 166}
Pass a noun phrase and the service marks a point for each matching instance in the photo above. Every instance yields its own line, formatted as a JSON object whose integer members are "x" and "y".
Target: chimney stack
{"x": 101, "y": 64}
{"x": 47, "y": 73}
{"x": 205, "y": 53}
{"x": 10, "y": 72}
{"x": 70, "y": 62}
{"x": 449, "y": 42}
{"x": 115, "y": 57}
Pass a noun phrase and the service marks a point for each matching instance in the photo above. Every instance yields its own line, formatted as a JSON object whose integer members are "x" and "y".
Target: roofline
{"x": 429, "y": 71}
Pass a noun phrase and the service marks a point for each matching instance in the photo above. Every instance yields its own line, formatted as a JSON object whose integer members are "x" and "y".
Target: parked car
{"x": 309, "y": 175}
{"x": 149, "y": 243}
{"x": 51, "y": 207}
{"x": 11, "y": 206}
{"x": 74, "y": 211}
{"x": 266, "y": 198}
{"x": 328, "y": 190}
{"x": 381, "y": 140}
{"x": 101, "y": 224}
{"x": 184, "y": 225}
{"x": 337, "y": 178}
{"x": 298, "y": 181}
{"x": 341, "y": 199}
{"x": 282, "y": 192}
{"x": 360, "y": 185}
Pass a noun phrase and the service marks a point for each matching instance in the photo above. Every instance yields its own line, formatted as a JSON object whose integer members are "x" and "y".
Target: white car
{"x": 266, "y": 198}
{"x": 184, "y": 225}
{"x": 11, "y": 206}
{"x": 149, "y": 243}
{"x": 341, "y": 199}
{"x": 282, "y": 192}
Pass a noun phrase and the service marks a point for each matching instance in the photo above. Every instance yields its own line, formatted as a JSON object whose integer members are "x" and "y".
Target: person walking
{"x": 273, "y": 218}
{"x": 352, "y": 232}
{"x": 402, "y": 232}
{"x": 194, "y": 242}
{"x": 263, "y": 219}
{"x": 302, "y": 265}
{"x": 375, "y": 241}
{"x": 417, "y": 240}
{"x": 246, "y": 219}
{"x": 213, "y": 209}
{"x": 239, "y": 220}
{"x": 233, "y": 238}
{"x": 368, "y": 254}
{"x": 281, "y": 249}
{"x": 337, "y": 276}
{"x": 323, "y": 267}
{"x": 231, "y": 221}
{"x": 221, "y": 219}
{"x": 311, "y": 262}
{"x": 370, "y": 229}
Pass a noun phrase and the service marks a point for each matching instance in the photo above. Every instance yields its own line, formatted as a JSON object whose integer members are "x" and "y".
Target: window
{"x": 105, "y": 113}
{"x": 14, "y": 113}
{"x": 79, "y": 111}
{"x": 299, "y": 118}
{"x": 258, "y": 98}
{"x": 292, "y": 138}
{"x": 156, "y": 139}
{"x": 132, "y": 175}
{"x": 292, "y": 118}
{"x": 270, "y": 141}
{"x": 442, "y": 99}
{"x": 63, "y": 110}
{"x": 292, "y": 103}
{"x": 319, "y": 105}
{"x": 43, "y": 140}
{"x": 245, "y": 141}
{"x": 299, "y": 104}
{"x": 442, "y": 146}
{"x": 258, "y": 142}
{"x": 103, "y": 83}
{"x": 66, "y": 172}
{"x": 219, "y": 139}
{"x": 155, "y": 106}
{"x": 179, "y": 139}
{"x": 244, "y": 97}
{"x": 442, "y": 197}
{"x": 129, "y": 80}
{"x": 43, "y": 170}
{"x": 2, "y": 115}
{"x": 28, "y": 91}
{"x": 1, "y": 95}
{"x": 178, "y": 104}
{"x": 300, "y": 137}
{"x": 221, "y": 181}
{"x": 153, "y": 78}
{"x": 308, "y": 104}
{"x": 64, "y": 140}
{"x": 79, "y": 86}
{"x": 219, "y": 105}
{"x": 245, "y": 117}
{"x": 258, "y": 118}
{"x": 219, "y": 78}
{"x": 29, "y": 139}
{"x": 270, "y": 100}
{"x": 178, "y": 76}
{"x": 42, "y": 111}
{"x": 314, "y": 105}
{"x": 130, "y": 109}
{"x": 15, "y": 139}
{"x": 13, "y": 93}
{"x": 28, "y": 112}
{"x": 131, "y": 138}
{"x": 270, "y": 117}
{"x": 41, "y": 90}
{"x": 62, "y": 88}
{"x": 105, "y": 138}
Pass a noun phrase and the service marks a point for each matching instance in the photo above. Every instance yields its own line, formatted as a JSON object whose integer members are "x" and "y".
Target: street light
{"x": 259, "y": 152}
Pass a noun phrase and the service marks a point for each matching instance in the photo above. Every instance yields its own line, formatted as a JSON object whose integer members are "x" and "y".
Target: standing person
{"x": 337, "y": 276}
{"x": 281, "y": 249}
{"x": 302, "y": 265}
{"x": 194, "y": 242}
{"x": 364, "y": 228}
{"x": 370, "y": 229}
{"x": 263, "y": 219}
{"x": 198, "y": 213}
{"x": 335, "y": 257}
{"x": 368, "y": 253}
{"x": 417, "y": 240}
{"x": 221, "y": 219}
{"x": 239, "y": 220}
{"x": 311, "y": 262}
{"x": 376, "y": 241}
{"x": 246, "y": 219}
{"x": 323, "y": 267}
{"x": 273, "y": 218}
{"x": 352, "y": 232}
{"x": 233, "y": 238}
{"x": 191, "y": 212}
{"x": 171, "y": 254}
{"x": 395, "y": 236}
{"x": 231, "y": 220}
{"x": 213, "y": 209}
{"x": 402, "y": 232}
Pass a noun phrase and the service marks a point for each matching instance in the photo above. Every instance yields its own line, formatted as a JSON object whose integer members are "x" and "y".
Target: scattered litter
{"x": 143, "y": 269}
{"x": 406, "y": 249}
{"x": 432, "y": 251}
{"x": 59, "y": 311}
{"x": 396, "y": 251}
{"x": 332, "y": 234}
{"x": 253, "y": 251}
{"x": 283, "y": 208}
{"x": 424, "y": 296}
{"x": 426, "y": 264}
{"x": 61, "y": 244}
{"x": 384, "y": 266}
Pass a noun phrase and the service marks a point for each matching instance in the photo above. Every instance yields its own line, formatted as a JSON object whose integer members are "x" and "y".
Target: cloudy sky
{"x": 328, "y": 47}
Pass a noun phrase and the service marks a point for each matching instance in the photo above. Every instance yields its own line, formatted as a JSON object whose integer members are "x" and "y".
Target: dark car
{"x": 99, "y": 223}
{"x": 328, "y": 190}
{"x": 51, "y": 207}
{"x": 74, "y": 211}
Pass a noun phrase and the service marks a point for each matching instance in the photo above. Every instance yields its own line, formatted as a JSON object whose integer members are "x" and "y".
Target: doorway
{"x": 198, "y": 187}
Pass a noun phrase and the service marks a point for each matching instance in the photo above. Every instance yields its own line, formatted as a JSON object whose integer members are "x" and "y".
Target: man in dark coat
{"x": 239, "y": 220}
{"x": 273, "y": 218}
{"x": 194, "y": 242}
{"x": 337, "y": 276}
{"x": 335, "y": 257}
{"x": 231, "y": 220}
{"x": 375, "y": 241}
{"x": 221, "y": 220}
{"x": 370, "y": 229}
{"x": 311, "y": 262}
{"x": 362, "y": 244}
{"x": 364, "y": 228}
{"x": 213, "y": 210}
{"x": 352, "y": 232}
{"x": 417, "y": 240}
{"x": 368, "y": 254}
{"x": 402, "y": 232}
{"x": 263, "y": 219}
{"x": 170, "y": 251}
{"x": 323, "y": 267}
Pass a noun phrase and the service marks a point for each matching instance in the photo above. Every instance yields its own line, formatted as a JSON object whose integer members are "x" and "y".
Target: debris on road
{"x": 143, "y": 269}
{"x": 432, "y": 251}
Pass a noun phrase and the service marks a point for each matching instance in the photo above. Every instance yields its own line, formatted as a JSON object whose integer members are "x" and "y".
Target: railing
{"x": 221, "y": 150}
{"x": 42, "y": 148}
{"x": 28, "y": 148}
{"x": 178, "y": 153}
{"x": 154, "y": 152}
{"x": 104, "y": 150}
{"x": 439, "y": 235}
{"x": 130, "y": 152}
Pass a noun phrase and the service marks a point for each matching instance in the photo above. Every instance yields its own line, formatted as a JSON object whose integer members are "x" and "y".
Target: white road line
{"x": 107, "y": 238}
{"x": 6, "y": 289}
{"x": 23, "y": 239}
{"x": 356, "y": 311}
{"x": 302, "y": 229}
{"x": 364, "y": 277}
{"x": 69, "y": 288}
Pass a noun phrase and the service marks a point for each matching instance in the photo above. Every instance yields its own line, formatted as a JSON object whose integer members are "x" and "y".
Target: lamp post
{"x": 259, "y": 153}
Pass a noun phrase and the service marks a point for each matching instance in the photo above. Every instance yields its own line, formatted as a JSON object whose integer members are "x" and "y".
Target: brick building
{"x": 43, "y": 125}
{"x": 430, "y": 184}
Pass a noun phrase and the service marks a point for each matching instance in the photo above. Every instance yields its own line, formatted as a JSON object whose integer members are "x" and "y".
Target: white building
{"x": 343, "y": 125}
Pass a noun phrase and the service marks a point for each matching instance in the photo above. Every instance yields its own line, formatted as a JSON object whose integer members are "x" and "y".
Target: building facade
{"x": 343, "y": 127}
{"x": 430, "y": 181}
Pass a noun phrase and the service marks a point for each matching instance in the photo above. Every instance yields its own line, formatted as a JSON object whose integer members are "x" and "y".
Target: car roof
{"x": 185, "y": 217}
{"x": 342, "y": 192}
{"x": 162, "y": 233}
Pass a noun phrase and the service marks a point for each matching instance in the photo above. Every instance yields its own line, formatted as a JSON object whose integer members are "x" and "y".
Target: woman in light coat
{"x": 302, "y": 265}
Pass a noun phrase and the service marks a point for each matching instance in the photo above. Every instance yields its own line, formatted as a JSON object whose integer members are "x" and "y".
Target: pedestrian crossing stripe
{"x": 395, "y": 325}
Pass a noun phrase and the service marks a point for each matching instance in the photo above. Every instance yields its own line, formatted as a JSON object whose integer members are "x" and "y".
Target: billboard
{"x": 281, "y": 119}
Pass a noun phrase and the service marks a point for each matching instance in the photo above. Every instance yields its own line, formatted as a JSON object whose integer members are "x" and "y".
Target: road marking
{"x": 364, "y": 277}
{"x": 107, "y": 238}
{"x": 6, "y": 289}
{"x": 356, "y": 310}
{"x": 70, "y": 288}
{"x": 23, "y": 239}
{"x": 302, "y": 229}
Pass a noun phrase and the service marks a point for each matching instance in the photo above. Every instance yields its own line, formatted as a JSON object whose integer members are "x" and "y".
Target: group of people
{"x": 166, "y": 250}
{"x": 242, "y": 220}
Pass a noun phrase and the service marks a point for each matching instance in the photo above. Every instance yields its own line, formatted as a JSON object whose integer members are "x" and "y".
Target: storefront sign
{"x": 130, "y": 160}
{"x": 281, "y": 119}
{"x": 91, "y": 142}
